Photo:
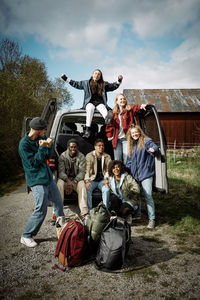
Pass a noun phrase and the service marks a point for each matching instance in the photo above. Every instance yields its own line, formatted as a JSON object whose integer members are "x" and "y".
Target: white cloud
{"x": 157, "y": 18}
{"x": 91, "y": 30}
{"x": 58, "y": 21}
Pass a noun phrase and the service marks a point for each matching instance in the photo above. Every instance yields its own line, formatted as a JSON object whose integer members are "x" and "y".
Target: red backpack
{"x": 71, "y": 244}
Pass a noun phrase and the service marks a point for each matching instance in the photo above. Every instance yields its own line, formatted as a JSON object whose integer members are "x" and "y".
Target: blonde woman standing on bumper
{"x": 141, "y": 164}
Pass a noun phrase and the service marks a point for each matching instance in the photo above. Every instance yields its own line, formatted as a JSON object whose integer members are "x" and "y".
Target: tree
{"x": 60, "y": 92}
{"x": 24, "y": 91}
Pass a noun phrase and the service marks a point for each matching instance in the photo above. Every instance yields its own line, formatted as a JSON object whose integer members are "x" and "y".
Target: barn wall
{"x": 181, "y": 129}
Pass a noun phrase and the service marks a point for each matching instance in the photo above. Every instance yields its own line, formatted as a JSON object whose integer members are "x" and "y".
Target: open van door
{"x": 150, "y": 123}
{"x": 48, "y": 115}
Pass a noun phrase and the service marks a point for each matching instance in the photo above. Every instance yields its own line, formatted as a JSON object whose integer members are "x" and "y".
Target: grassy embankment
{"x": 180, "y": 208}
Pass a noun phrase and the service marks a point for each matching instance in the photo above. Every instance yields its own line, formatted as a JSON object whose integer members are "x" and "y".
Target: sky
{"x": 154, "y": 44}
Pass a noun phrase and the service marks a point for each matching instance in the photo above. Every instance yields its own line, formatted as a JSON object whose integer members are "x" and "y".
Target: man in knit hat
{"x": 34, "y": 150}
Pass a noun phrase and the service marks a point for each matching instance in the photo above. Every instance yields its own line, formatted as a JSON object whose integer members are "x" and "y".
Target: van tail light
{"x": 51, "y": 162}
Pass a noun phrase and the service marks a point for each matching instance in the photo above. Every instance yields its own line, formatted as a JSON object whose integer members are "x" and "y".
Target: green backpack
{"x": 99, "y": 217}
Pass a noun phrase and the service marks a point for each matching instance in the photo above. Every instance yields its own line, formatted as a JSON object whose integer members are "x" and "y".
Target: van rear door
{"x": 48, "y": 115}
{"x": 149, "y": 121}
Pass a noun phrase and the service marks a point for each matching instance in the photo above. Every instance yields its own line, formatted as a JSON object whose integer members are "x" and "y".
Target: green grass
{"x": 182, "y": 201}
{"x": 186, "y": 225}
{"x": 151, "y": 239}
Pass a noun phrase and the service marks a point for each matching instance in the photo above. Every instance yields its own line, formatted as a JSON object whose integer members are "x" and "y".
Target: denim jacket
{"x": 142, "y": 163}
{"x": 85, "y": 85}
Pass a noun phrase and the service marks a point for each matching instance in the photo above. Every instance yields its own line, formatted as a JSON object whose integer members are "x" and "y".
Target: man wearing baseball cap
{"x": 34, "y": 150}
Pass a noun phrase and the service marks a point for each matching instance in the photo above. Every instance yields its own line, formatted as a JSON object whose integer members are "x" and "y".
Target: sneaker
{"x": 151, "y": 224}
{"x": 29, "y": 242}
{"x": 109, "y": 117}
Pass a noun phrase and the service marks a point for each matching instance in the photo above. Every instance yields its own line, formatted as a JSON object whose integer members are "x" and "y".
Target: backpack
{"x": 98, "y": 218}
{"x": 114, "y": 245}
{"x": 71, "y": 244}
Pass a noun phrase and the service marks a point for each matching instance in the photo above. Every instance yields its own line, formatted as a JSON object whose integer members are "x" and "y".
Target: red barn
{"x": 179, "y": 112}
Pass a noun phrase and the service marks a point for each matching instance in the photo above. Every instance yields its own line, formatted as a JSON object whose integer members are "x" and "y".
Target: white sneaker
{"x": 29, "y": 242}
{"x": 151, "y": 224}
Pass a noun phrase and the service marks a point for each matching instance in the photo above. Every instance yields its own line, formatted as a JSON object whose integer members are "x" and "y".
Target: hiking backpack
{"x": 114, "y": 245}
{"x": 71, "y": 244}
{"x": 98, "y": 218}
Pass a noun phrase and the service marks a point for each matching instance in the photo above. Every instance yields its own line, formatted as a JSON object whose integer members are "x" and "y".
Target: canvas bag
{"x": 114, "y": 245}
{"x": 98, "y": 218}
{"x": 71, "y": 244}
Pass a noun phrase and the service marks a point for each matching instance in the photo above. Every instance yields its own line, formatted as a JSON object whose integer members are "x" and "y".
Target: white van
{"x": 65, "y": 124}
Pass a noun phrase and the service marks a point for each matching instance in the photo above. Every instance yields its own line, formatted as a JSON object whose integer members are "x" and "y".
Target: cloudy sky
{"x": 152, "y": 43}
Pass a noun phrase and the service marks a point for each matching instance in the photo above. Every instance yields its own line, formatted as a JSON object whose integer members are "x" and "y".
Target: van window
{"x": 73, "y": 126}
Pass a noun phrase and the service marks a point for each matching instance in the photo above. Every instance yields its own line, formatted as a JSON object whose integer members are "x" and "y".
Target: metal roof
{"x": 172, "y": 100}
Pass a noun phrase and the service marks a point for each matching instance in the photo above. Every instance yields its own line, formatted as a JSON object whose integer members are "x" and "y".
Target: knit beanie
{"x": 38, "y": 123}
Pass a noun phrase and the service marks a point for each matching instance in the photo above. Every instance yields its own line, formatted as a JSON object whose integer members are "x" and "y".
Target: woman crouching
{"x": 124, "y": 187}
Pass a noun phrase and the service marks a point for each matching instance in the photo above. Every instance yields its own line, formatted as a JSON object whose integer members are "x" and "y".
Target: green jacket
{"x": 64, "y": 164}
{"x": 127, "y": 184}
{"x": 34, "y": 157}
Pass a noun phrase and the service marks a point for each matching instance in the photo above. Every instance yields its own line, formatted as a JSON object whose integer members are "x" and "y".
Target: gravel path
{"x": 157, "y": 268}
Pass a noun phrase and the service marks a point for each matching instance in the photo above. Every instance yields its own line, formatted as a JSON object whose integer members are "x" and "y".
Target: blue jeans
{"x": 103, "y": 188}
{"x": 121, "y": 150}
{"x": 147, "y": 189}
{"x": 42, "y": 194}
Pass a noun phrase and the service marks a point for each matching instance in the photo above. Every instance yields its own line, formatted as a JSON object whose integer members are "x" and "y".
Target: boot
{"x": 87, "y": 133}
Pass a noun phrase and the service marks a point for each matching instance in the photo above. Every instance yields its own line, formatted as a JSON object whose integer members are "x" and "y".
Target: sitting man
{"x": 96, "y": 175}
{"x": 71, "y": 172}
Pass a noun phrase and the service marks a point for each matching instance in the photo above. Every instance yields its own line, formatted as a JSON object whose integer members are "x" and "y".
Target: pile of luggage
{"x": 104, "y": 238}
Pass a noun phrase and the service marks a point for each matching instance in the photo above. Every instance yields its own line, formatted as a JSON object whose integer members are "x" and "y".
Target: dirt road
{"x": 157, "y": 269}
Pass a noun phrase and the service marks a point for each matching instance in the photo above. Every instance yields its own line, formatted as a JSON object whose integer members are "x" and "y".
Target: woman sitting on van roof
{"x": 95, "y": 96}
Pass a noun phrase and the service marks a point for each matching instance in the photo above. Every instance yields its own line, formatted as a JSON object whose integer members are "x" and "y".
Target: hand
{"x": 88, "y": 185}
{"x": 106, "y": 182}
{"x": 131, "y": 195}
{"x": 151, "y": 150}
{"x": 69, "y": 186}
{"x": 69, "y": 182}
{"x": 143, "y": 106}
{"x": 68, "y": 190}
{"x": 43, "y": 143}
{"x": 120, "y": 77}
{"x": 49, "y": 142}
{"x": 64, "y": 77}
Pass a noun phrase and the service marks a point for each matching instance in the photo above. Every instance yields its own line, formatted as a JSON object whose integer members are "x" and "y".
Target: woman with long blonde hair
{"x": 141, "y": 164}
{"x": 123, "y": 117}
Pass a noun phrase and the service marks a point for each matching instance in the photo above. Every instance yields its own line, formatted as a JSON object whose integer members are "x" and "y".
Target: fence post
{"x": 174, "y": 150}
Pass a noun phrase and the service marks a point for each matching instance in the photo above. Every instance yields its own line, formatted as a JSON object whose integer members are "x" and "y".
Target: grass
{"x": 181, "y": 206}
{"x": 151, "y": 239}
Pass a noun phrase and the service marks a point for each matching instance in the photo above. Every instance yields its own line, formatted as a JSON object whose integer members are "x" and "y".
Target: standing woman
{"x": 123, "y": 117}
{"x": 141, "y": 163}
{"x": 95, "y": 96}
